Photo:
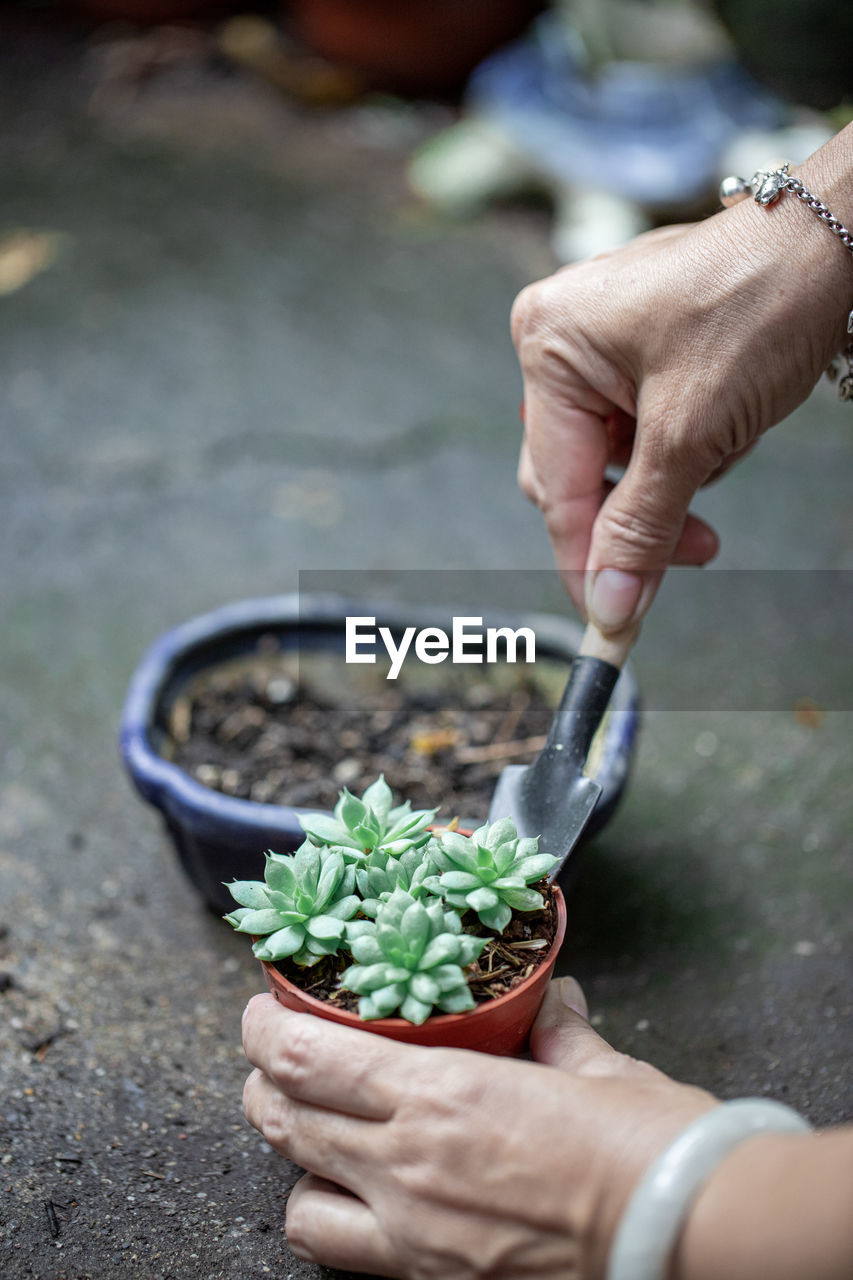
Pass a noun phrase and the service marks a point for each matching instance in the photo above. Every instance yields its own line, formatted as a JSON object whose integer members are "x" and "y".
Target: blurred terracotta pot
{"x": 418, "y": 46}
{"x": 150, "y": 12}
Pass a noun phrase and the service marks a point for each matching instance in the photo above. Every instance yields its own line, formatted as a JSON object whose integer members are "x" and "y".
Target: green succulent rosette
{"x": 372, "y": 824}
{"x": 411, "y": 959}
{"x": 380, "y": 874}
{"x": 489, "y": 872}
{"x": 301, "y": 907}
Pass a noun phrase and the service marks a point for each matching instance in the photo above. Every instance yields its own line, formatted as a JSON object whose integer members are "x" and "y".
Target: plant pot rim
{"x": 440, "y": 1022}
{"x": 208, "y": 814}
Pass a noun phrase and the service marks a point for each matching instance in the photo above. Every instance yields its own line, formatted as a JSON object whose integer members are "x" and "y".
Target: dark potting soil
{"x": 263, "y": 737}
{"x": 505, "y": 961}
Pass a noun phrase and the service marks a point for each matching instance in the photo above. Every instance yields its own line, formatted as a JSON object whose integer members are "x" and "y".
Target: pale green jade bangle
{"x": 655, "y": 1214}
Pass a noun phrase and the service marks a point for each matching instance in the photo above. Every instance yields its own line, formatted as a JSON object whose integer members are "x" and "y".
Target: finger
{"x": 327, "y": 1225}
{"x": 639, "y": 527}
{"x": 698, "y": 542}
{"x": 697, "y": 545}
{"x": 565, "y": 419}
{"x": 619, "y": 427}
{"x": 325, "y": 1142}
{"x": 569, "y": 450}
{"x": 561, "y": 1035}
{"x": 321, "y": 1063}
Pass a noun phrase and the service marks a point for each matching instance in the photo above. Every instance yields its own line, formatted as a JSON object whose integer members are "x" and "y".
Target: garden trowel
{"x": 553, "y": 798}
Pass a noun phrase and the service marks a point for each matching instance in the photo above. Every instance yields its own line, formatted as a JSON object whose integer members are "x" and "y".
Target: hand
{"x": 440, "y": 1163}
{"x": 668, "y": 357}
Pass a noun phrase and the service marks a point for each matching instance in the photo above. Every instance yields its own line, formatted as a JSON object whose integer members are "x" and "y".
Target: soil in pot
{"x": 506, "y": 961}
{"x": 262, "y": 730}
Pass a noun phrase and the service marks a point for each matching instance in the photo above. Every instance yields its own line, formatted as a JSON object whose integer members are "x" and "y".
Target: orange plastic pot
{"x": 500, "y": 1026}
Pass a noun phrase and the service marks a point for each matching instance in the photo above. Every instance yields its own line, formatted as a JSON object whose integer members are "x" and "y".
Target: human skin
{"x": 428, "y": 1163}
{"x": 670, "y": 357}
{"x": 447, "y": 1159}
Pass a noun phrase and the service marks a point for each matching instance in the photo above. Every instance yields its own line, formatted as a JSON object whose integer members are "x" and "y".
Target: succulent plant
{"x": 411, "y": 959}
{"x": 489, "y": 871}
{"x": 301, "y": 907}
{"x": 408, "y": 945}
{"x": 380, "y": 874}
{"x": 372, "y": 824}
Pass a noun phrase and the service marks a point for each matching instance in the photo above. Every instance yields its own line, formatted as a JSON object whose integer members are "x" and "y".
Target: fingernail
{"x": 571, "y": 994}
{"x": 613, "y": 597}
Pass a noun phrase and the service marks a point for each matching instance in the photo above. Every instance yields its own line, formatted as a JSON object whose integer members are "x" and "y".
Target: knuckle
{"x": 672, "y": 436}
{"x": 640, "y": 531}
{"x": 535, "y": 327}
{"x": 448, "y": 1087}
{"x": 615, "y": 1063}
{"x": 275, "y": 1125}
{"x": 468, "y": 1095}
{"x": 526, "y": 311}
{"x": 498, "y": 1257}
{"x": 438, "y": 1121}
{"x": 298, "y": 1227}
{"x": 415, "y": 1176}
{"x": 527, "y": 483}
{"x": 544, "y": 358}
{"x": 626, "y": 1065}
{"x": 561, "y": 518}
{"x": 412, "y": 1164}
{"x": 248, "y": 1097}
{"x": 293, "y": 1062}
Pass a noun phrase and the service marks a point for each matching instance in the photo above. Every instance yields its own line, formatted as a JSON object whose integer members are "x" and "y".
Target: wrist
{"x": 829, "y": 172}
{"x": 779, "y": 1205}
{"x": 611, "y": 1184}
{"x": 711, "y": 1240}
{"x": 646, "y": 1239}
{"x": 813, "y": 266}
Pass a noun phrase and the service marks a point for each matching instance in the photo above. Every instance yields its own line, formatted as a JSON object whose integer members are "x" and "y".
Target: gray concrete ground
{"x": 255, "y": 354}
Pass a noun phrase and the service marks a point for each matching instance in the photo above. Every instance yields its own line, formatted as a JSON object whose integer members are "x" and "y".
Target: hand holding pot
{"x": 445, "y": 1163}
{"x": 670, "y": 357}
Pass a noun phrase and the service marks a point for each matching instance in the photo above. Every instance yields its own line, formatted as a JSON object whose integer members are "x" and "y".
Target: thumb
{"x": 642, "y": 527}
{"x": 561, "y": 1035}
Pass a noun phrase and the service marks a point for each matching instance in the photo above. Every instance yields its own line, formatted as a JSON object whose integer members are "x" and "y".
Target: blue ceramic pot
{"x": 220, "y": 838}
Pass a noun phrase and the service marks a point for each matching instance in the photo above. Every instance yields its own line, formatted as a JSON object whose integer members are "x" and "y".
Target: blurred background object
{"x": 264, "y": 49}
{"x": 621, "y": 111}
{"x": 404, "y": 46}
{"x": 147, "y": 12}
{"x": 410, "y": 46}
{"x": 801, "y": 49}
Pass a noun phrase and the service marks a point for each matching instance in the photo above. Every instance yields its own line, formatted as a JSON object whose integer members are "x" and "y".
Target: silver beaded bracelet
{"x": 766, "y": 186}
{"x": 656, "y": 1211}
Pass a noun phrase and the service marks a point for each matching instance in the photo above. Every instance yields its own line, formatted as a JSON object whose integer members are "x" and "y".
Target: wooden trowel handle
{"x": 609, "y": 648}
{"x": 593, "y": 674}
